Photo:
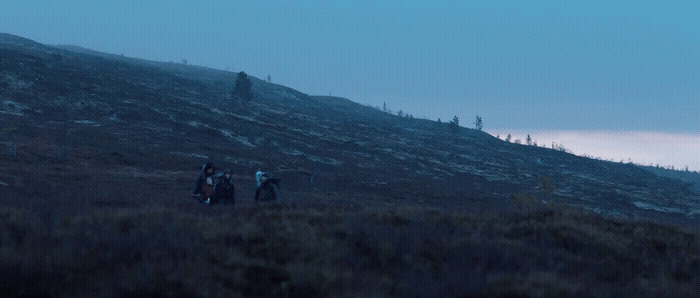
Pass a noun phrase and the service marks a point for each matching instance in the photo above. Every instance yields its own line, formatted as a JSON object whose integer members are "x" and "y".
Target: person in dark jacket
{"x": 208, "y": 171}
{"x": 224, "y": 191}
{"x": 267, "y": 191}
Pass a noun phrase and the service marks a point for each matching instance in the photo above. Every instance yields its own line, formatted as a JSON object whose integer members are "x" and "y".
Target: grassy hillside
{"x": 135, "y": 129}
{"x": 78, "y": 249}
{"x": 99, "y": 153}
{"x": 689, "y": 177}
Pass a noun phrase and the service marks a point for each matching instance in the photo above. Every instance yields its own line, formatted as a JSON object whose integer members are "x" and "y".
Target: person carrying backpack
{"x": 204, "y": 187}
{"x": 268, "y": 190}
{"x": 224, "y": 191}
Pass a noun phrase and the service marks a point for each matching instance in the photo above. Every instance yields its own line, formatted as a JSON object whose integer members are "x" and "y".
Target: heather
{"x": 75, "y": 249}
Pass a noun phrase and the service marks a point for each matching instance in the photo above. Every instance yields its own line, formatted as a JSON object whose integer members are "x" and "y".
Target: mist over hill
{"x": 139, "y": 130}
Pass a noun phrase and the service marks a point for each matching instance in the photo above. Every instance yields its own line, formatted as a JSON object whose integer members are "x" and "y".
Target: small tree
{"x": 508, "y": 138}
{"x": 478, "y": 123}
{"x": 454, "y": 124}
{"x": 528, "y": 140}
{"x": 12, "y": 145}
{"x": 269, "y": 78}
{"x": 241, "y": 90}
{"x": 12, "y": 149}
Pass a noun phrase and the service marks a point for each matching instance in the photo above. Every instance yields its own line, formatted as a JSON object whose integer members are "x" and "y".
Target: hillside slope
{"x": 118, "y": 130}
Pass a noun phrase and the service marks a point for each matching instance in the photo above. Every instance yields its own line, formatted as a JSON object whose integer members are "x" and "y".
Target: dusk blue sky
{"x": 522, "y": 65}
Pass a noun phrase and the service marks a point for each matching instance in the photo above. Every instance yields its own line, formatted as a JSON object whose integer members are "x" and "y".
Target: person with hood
{"x": 258, "y": 176}
{"x": 267, "y": 191}
{"x": 202, "y": 189}
{"x": 224, "y": 191}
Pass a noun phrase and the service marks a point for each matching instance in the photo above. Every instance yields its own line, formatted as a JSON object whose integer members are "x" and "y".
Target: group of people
{"x": 212, "y": 188}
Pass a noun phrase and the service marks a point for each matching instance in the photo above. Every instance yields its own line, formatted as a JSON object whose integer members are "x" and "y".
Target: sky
{"x": 523, "y": 66}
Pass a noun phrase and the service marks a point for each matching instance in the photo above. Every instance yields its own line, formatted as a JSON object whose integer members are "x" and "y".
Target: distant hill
{"x": 134, "y": 130}
{"x": 687, "y": 176}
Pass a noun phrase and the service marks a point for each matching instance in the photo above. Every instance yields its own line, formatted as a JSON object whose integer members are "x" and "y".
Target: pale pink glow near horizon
{"x": 679, "y": 150}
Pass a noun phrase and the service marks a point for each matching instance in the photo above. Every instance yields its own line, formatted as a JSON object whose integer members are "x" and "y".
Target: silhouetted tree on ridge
{"x": 454, "y": 124}
{"x": 241, "y": 89}
{"x": 479, "y": 123}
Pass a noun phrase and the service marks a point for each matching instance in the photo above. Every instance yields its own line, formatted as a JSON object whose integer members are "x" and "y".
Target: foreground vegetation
{"x": 188, "y": 250}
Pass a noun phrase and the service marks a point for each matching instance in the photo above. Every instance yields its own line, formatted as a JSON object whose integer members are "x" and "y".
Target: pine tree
{"x": 528, "y": 140}
{"x": 454, "y": 124}
{"x": 241, "y": 90}
{"x": 478, "y": 123}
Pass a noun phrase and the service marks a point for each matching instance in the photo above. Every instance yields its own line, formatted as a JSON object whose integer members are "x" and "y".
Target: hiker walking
{"x": 268, "y": 190}
{"x": 224, "y": 191}
{"x": 204, "y": 188}
{"x": 258, "y": 177}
